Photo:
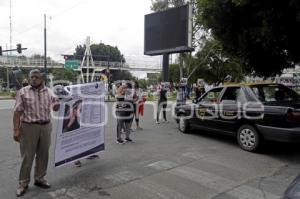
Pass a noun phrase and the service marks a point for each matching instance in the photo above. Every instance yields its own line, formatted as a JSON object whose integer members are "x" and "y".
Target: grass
{"x": 4, "y": 94}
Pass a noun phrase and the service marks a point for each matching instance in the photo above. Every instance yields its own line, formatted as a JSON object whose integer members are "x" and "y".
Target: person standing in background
{"x": 200, "y": 90}
{"x": 25, "y": 83}
{"x": 137, "y": 102}
{"x": 124, "y": 112}
{"x": 162, "y": 104}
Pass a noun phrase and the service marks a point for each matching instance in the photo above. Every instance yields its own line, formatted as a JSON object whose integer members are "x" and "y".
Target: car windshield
{"x": 212, "y": 95}
{"x": 274, "y": 93}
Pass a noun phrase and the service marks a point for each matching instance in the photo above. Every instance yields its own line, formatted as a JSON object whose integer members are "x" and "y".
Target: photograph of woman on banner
{"x": 72, "y": 117}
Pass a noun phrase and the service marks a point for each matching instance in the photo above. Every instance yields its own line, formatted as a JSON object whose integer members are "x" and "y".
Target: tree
{"x": 264, "y": 34}
{"x": 103, "y": 52}
{"x": 154, "y": 78}
{"x": 142, "y": 83}
{"x": 214, "y": 65}
{"x": 64, "y": 74}
{"x": 174, "y": 73}
{"x": 121, "y": 75}
{"x": 100, "y": 52}
{"x": 161, "y": 5}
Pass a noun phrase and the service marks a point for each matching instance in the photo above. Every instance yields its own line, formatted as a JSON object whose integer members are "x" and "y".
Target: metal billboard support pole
{"x": 165, "y": 67}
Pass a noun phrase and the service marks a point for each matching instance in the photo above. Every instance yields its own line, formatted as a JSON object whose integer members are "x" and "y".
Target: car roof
{"x": 249, "y": 84}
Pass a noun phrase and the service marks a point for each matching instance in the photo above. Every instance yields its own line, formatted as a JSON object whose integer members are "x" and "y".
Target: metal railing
{"x": 34, "y": 62}
{"x": 105, "y": 64}
{"x": 28, "y": 62}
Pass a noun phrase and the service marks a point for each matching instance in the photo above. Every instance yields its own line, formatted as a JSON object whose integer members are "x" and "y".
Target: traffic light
{"x": 0, "y": 50}
{"x": 19, "y": 48}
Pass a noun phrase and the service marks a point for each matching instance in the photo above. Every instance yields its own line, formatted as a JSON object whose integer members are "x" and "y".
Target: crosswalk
{"x": 172, "y": 181}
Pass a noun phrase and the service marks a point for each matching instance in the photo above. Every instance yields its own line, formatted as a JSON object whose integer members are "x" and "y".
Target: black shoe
{"x": 21, "y": 191}
{"x": 128, "y": 140}
{"x": 43, "y": 185}
{"x": 77, "y": 163}
{"x": 120, "y": 141}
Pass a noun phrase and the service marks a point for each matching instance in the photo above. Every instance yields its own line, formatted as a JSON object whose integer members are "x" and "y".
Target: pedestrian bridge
{"x": 39, "y": 63}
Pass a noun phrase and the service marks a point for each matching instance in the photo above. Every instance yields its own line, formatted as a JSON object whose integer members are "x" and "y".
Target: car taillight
{"x": 293, "y": 117}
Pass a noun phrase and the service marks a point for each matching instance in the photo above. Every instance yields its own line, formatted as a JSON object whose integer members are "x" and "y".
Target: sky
{"x": 114, "y": 22}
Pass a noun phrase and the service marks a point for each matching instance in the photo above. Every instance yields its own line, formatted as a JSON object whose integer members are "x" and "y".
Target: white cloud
{"x": 114, "y": 22}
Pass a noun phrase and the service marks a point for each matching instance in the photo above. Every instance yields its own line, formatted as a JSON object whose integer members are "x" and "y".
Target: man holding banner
{"x": 32, "y": 129}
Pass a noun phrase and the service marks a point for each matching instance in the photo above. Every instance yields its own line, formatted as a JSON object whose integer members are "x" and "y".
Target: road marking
{"x": 193, "y": 155}
{"x": 247, "y": 192}
{"x": 163, "y": 165}
{"x": 122, "y": 177}
{"x": 71, "y": 192}
{"x": 203, "y": 178}
{"x": 220, "y": 184}
{"x": 158, "y": 190}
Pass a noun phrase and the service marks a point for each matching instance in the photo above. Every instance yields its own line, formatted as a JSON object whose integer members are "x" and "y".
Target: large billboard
{"x": 168, "y": 31}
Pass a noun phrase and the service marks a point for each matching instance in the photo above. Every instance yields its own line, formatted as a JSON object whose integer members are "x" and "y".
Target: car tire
{"x": 248, "y": 138}
{"x": 183, "y": 124}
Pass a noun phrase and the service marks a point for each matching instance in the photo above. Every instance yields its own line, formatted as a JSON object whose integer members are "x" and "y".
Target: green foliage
{"x": 153, "y": 78}
{"x": 64, "y": 74}
{"x": 121, "y": 75}
{"x": 142, "y": 83}
{"x": 161, "y": 5}
{"x": 13, "y": 94}
{"x": 264, "y": 34}
{"x": 101, "y": 52}
{"x": 174, "y": 73}
{"x": 214, "y": 64}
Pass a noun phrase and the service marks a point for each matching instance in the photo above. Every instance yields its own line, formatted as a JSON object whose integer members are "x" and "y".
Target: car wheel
{"x": 183, "y": 125}
{"x": 248, "y": 138}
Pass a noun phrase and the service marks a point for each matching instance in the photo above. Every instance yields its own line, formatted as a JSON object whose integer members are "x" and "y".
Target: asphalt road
{"x": 161, "y": 164}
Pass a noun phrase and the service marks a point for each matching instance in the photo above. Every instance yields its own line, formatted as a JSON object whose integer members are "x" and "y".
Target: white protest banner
{"x": 80, "y": 123}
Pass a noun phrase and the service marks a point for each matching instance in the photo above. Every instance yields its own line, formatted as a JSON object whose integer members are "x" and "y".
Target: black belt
{"x": 38, "y": 122}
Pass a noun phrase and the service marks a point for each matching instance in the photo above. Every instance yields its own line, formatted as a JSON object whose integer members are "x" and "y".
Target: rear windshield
{"x": 274, "y": 93}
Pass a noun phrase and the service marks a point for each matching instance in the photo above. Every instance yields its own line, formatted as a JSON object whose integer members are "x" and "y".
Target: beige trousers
{"x": 34, "y": 143}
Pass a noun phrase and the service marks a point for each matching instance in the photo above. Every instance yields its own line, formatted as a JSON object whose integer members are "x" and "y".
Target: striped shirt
{"x": 34, "y": 104}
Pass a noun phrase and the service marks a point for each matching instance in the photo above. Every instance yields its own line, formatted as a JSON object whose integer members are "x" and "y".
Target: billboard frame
{"x": 178, "y": 49}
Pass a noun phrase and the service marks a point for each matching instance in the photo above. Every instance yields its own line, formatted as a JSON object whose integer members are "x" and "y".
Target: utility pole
{"x": 10, "y": 41}
{"x": 7, "y": 74}
{"x": 45, "y": 47}
{"x": 108, "y": 79}
{"x": 10, "y": 25}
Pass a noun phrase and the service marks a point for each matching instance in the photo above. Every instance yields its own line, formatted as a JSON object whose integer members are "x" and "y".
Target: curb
{"x": 6, "y": 98}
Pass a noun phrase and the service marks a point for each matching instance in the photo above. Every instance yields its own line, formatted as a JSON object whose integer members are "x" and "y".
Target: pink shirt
{"x": 34, "y": 104}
